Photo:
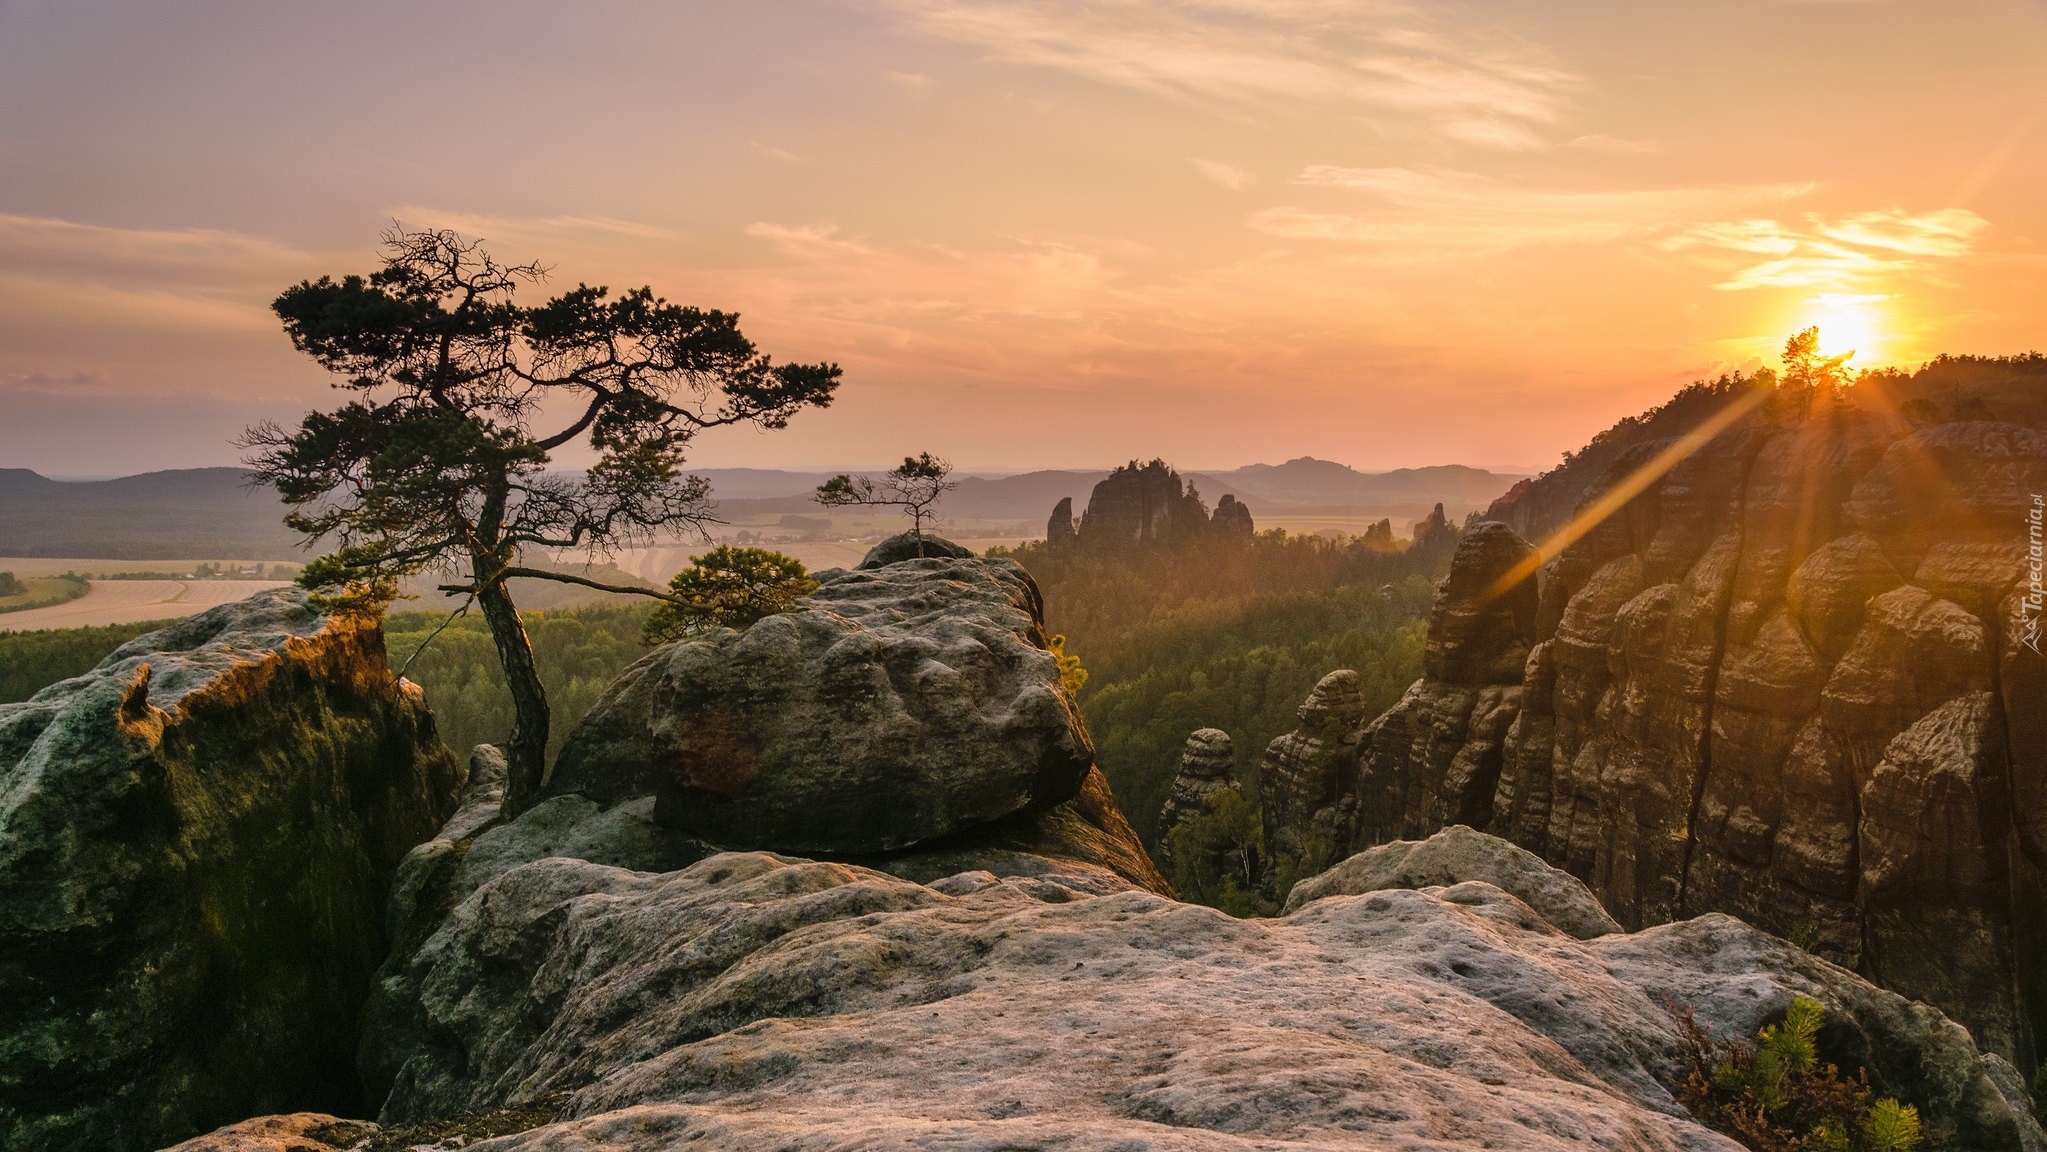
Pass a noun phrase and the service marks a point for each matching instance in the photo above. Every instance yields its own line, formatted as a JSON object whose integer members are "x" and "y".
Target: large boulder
{"x": 196, "y": 839}
{"x": 893, "y": 707}
{"x": 753, "y": 1000}
{"x": 1453, "y": 856}
{"x": 912, "y": 546}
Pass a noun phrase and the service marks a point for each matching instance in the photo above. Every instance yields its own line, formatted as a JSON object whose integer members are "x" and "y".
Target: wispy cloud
{"x": 1228, "y": 175}
{"x": 1612, "y": 144}
{"x": 525, "y": 229}
{"x": 911, "y": 81}
{"x": 1839, "y": 254}
{"x": 1423, "y": 214}
{"x": 1479, "y": 85}
{"x": 807, "y": 239}
{"x": 779, "y": 154}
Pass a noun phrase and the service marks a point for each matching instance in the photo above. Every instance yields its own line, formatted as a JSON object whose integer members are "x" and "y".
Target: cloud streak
{"x": 1426, "y": 214}
{"x": 1480, "y": 86}
{"x": 1836, "y": 254}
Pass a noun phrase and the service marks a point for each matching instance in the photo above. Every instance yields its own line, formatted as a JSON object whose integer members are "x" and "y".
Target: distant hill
{"x": 1324, "y": 485}
{"x": 201, "y": 513}
{"x": 187, "y": 513}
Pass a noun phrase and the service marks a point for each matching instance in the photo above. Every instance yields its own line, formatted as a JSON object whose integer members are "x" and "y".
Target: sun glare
{"x": 1847, "y": 324}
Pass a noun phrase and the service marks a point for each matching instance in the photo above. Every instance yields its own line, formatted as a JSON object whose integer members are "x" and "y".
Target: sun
{"x": 1847, "y": 324}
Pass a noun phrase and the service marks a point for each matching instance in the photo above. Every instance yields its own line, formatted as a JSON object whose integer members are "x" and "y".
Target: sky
{"x": 1036, "y": 233}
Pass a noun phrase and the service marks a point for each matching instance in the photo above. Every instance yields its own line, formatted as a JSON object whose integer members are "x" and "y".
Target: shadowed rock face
{"x": 1308, "y": 775}
{"x": 196, "y": 838}
{"x": 1783, "y": 682}
{"x": 752, "y": 1000}
{"x": 1232, "y": 520}
{"x": 894, "y": 706}
{"x": 1207, "y": 765}
{"x": 1142, "y": 504}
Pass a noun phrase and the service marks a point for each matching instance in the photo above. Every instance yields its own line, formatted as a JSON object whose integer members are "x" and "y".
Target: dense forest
{"x": 32, "y": 661}
{"x": 1230, "y": 636}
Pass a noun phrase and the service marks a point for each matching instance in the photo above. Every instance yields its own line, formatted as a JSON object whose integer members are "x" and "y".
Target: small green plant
{"x": 1805, "y": 934}
{"x": 1072, "y": 676}
{"x": 1776, "y": 1095}
{"x": 727, "y": 587}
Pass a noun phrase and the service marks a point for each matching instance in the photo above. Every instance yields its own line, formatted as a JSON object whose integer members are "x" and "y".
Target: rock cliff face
{"x": 1207, "y": 765}
{"x": 195, "y": 844}
{"x": 752, "y": 1000}
{"x": 1232, "y": 521}
{"x": 1147, "y": 504}
{"x": 1060, "y": 532}
{"x": 1783, "y": 682}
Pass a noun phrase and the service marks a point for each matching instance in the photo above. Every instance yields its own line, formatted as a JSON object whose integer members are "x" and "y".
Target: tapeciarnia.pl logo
{"x": 2031, "y": 603}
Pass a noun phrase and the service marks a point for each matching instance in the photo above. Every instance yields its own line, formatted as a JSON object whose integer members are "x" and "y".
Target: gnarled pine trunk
{"x": 526, "y": 751}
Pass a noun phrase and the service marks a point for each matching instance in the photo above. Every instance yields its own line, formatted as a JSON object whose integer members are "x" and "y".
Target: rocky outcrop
{"x": 1143, "y": 504}
{"x": 1060, "y": 533}
{"x": 1781, "y": 682}
{"x": 752, "y": 1000}
{"x": 1208, "y": 765}
{"x": 912, "y": 546}
{"x": 894, "y": 706}
{"x": 1232, "y": 521}
{"x": 1307, "y": 780}
{"x": 1453, "y": 856}
{"x": 196, "y": 838}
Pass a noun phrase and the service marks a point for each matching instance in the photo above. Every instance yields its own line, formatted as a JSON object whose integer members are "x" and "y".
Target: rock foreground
{"x": 195, "y": 843}
{"x": 751, "y": 1000}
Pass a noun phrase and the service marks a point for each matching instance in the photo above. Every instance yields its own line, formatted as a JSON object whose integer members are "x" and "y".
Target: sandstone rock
{"x": 1453, "y": 856}
{"x": 1060, "y": 532}
{"x": 1719, "y": 683}
{"x": 195, "y": 843}
{"x": 1085, "y": 844}
{"x": 1306, "y": 774}
{"x": 757, "y": 1001}
{"x": 1429, "y": 527}
{"x": 1207, "y": 766}
{"x": 894, "y": 706}
{"x": 909, "y": 546}
{"x": 1480, "y": 631}
{"x": 1232, "y": 521}
{"x": 296, "y": 1132}
{"x": 1141, "y": 504}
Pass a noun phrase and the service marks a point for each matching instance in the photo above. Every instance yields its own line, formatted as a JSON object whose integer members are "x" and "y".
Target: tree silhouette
{"x": 914, "y": 486}
{"x": 438, "y": 465}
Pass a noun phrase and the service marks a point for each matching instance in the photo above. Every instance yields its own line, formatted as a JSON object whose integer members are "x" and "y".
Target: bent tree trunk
{"x": 526, "y": 751}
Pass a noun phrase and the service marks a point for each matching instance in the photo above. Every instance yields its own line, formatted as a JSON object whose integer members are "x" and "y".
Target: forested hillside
{"x": 1228, "y": 636}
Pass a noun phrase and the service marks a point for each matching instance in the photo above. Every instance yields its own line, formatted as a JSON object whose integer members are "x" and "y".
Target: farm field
{"x": 26, "y": 566}
{"x": 126, "y": 601}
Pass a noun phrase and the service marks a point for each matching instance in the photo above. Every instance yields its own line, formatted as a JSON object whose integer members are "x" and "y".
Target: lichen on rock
{"x": 195, "y": 843}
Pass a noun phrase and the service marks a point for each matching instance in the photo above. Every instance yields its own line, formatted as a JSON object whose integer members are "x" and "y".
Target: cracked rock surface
{"x": 753, "y": 1000}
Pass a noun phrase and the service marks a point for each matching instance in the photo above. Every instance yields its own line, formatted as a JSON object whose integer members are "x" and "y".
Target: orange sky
{"x": 1037, "y": 233}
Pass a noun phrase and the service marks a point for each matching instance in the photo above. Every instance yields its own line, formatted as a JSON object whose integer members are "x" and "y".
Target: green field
{"x": 21, "y": 594}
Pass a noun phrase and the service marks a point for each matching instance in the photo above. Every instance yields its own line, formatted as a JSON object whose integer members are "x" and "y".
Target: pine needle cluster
{"x": 1776, "y": 1095}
